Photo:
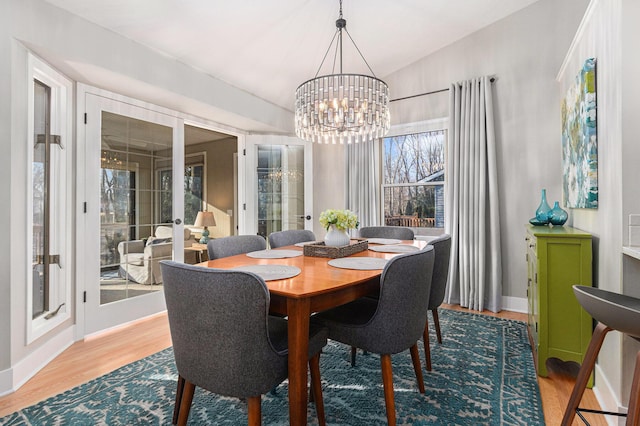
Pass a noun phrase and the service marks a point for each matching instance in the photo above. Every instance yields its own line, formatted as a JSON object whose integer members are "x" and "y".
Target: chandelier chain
{"x": 358, "y": 49}
{"x": 325, "y": 54}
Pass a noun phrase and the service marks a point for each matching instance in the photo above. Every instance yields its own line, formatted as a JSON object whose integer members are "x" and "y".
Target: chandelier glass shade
{"x": 342, "y": 108}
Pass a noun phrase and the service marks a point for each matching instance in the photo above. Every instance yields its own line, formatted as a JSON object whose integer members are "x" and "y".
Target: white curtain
{"x": 475, "y": 275}
{"x": 363, "y": 182}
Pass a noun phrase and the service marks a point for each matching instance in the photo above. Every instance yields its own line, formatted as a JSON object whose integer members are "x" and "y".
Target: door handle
{"x": 177, "y": 221}
{"x": 308, "y": 217}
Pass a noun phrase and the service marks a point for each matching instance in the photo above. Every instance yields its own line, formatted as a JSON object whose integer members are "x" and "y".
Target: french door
{"x": 279, "y": 184}
{"x": 134, "y": 199}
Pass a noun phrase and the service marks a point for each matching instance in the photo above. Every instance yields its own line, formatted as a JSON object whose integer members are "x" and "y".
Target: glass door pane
{"x": 40, "y": 178}
{"x": 132, "y": 220}
{"x": 280, "y": 183}
{"x": 136, "y": 212}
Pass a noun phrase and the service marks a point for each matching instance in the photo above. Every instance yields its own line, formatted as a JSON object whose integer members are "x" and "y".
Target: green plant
{"x": 342, "y": 219}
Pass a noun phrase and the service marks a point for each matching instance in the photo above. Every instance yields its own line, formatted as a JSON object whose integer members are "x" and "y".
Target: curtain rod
{"x": 492, "y": 79}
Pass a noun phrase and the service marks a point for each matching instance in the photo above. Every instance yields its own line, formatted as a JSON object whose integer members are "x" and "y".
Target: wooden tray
{"x": 319, "y": 249}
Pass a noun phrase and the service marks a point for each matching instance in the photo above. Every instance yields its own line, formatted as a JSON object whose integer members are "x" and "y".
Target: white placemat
{"x": 274, "y": 254}
{"x": 270, "y": 272}
{"x": 383, "y": 241}
{"x": 395, "y": 248}
{"x": 304, "y": 243}
{"x": 360, "y": 263}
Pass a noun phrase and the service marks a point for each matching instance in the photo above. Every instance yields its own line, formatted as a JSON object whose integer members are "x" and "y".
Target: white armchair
{"x": 140, "y": 261}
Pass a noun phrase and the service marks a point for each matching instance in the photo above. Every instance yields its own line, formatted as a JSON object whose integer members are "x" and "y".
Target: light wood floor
{"x": 99, "y": 355}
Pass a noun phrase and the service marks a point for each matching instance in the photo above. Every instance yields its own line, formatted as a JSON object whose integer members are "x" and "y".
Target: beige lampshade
{"x": 205, "y": 219}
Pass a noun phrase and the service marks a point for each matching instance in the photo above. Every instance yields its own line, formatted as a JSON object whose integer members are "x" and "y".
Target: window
{"x": 117, "y": 208}
{"x": 193, "y": 189}
{"x": 49, "y": 199}
{"x": 413, "y": 180}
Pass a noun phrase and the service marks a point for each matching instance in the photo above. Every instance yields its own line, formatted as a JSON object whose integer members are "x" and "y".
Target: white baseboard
{"x": 16, "y": 376}
{"x": 514, "y": 304}
{"x": 6, "y": 381}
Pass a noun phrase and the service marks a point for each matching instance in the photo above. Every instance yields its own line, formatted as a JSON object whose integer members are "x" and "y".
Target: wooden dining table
{"x": 318, "y": 287}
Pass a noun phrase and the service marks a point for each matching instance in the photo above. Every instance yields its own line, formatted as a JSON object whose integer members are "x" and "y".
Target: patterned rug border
{"x": 355, "y": 399}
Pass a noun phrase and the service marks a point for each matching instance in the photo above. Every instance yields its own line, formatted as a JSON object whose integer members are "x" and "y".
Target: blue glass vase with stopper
{"x": 542, "y": 213}
{"x": 558, "y": 216}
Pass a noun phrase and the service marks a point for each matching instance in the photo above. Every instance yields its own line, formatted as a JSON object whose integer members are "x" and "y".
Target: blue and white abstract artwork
{"x": 580, "y": 140}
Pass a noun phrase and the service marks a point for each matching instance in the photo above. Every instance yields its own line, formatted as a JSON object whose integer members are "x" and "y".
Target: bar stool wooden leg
{"x": 585, "y": 371}
{"x": 633, "y": 415}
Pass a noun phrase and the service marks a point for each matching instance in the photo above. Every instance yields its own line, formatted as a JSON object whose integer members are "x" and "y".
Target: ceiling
{"x": 269, "y": 47}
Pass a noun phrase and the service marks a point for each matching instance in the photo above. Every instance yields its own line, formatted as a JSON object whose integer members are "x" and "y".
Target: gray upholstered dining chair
{"x": 289, "y": 237}
{"x": 442, "y": 250}
{"x": 397, "y": 232}
{"x": 236, "y": 244}
{"x": 390, "y": 324}
{"x": 225, "y": 342}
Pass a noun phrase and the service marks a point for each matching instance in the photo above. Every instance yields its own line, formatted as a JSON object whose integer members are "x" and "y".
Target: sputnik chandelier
{"x": 339, "y": 108}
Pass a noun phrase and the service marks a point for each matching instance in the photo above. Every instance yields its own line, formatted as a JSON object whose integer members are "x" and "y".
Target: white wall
{"x": 328, "y": 182}
{"x": 5, "y": 194}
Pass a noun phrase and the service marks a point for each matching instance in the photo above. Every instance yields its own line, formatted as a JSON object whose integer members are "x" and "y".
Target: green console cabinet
{"x": 557, "y": 259}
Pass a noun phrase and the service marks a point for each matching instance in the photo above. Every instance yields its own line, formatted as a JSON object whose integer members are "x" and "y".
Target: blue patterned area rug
{"x": 483, "y": 374}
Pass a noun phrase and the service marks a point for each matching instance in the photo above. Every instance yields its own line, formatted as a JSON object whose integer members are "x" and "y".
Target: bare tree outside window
{"x": 193, "y": 193}
{"x": 413, "y": 181}
{"x": 117, "y": 212}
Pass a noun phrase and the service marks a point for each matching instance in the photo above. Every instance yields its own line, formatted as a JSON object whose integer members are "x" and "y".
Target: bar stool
{"x": 613, "y": 311}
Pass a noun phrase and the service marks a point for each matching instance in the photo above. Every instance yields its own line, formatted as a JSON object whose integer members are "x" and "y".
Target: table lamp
{"x": 205, "y": 219}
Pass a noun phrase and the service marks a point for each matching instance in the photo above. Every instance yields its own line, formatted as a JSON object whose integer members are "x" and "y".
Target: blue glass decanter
{"x": 558, "y": 216}
{"x": 542, "y": 213}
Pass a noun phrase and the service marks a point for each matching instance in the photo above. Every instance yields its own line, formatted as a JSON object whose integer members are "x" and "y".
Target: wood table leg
{"x": 585, "y": 372}
{"x": 299, "y": 312}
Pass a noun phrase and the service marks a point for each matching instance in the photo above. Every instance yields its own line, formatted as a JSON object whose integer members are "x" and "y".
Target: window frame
{"x": 434, "y": 125}
{"x": 61, "y": 208}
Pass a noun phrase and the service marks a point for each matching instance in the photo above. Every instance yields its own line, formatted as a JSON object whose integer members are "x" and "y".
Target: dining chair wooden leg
{"x": 588, "y": 363}
{"x": 255, "y": 410}
{"x": 633, "y": 413}
{"x": 185, "y": 404}
{"x": 415, "y": 357}
{"x": 176, "y": 407}
{"x": 353, "y": 356}
{"x": 436, "y": 323}
{"x": 316, "y": 387}
{"x": 427, "y": 345}
{"x": 387, "y": 384}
